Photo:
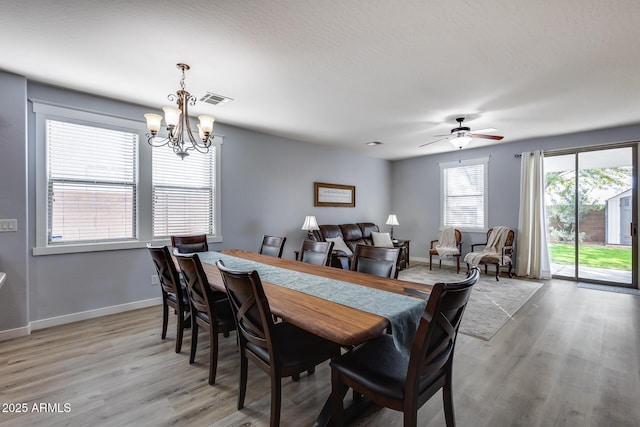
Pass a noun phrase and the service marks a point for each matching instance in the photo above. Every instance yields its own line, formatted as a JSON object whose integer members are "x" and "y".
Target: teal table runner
{"x": 403, "y": 312}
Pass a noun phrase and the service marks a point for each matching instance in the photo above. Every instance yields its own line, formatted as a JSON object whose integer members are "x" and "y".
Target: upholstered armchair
{"x": 448, "y": 245}
{"x": 498, "y": 251}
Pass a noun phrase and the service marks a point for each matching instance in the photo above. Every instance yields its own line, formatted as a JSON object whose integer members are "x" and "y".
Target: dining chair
{"x": 272, "y": 245}
{"x": 497, "y": 250}
{"x": 318, "y": 253}
{"x": 448, "y": 244}
{"x": 190, "y": 244}
{"x": 210, "y": 310}
{"x": 376, "y": 260}
{"x": 174, "y": 292}
{"x": 279, "y": 349}
{"x": 379, "y": 372}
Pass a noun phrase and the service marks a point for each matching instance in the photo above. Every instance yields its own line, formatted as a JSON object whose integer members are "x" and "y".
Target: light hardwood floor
{"x": 570, "y": 357}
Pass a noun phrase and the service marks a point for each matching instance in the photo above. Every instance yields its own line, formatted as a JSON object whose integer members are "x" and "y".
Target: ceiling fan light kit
{"x": 461, "y": 136}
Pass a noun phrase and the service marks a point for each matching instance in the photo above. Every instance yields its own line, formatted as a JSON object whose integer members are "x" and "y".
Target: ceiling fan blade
{"x": 432, "y": 142}
{"x": 485, "y": 130}
{"x": 477, "y": 135}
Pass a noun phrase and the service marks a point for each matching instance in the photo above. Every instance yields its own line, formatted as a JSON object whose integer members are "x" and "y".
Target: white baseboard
{"x": 15, "y": 333}
{"x": 74, "y": 317}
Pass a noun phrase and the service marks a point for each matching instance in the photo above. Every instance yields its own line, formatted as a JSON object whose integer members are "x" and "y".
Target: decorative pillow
{"x": 382, "y": 240}
{"x": 339, "y": 245}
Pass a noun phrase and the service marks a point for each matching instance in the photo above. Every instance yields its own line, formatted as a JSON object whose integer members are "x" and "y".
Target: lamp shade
{"x": 171, "y": 116}
{"x": 206, "y": 124}
{"x": 392, "y": 220}
{"x": 310, "y": 223}
{"x": 461, "y": 140}
{"x": 153, "y": 122}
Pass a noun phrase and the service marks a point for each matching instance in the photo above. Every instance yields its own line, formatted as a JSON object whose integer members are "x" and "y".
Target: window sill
{"x": 99, "y": 247}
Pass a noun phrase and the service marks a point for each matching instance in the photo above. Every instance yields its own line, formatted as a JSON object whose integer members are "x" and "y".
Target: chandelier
{"x": 179, "y": 135}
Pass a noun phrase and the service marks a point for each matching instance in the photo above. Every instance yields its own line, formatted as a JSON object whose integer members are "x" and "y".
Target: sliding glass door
{"x": 590, "y": 203}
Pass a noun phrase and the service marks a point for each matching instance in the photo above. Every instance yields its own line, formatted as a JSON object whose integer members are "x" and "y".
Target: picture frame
{"x": 334, "y": 195}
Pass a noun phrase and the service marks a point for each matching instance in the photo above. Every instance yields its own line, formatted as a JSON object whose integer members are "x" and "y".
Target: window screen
{"x": 91, "y": 183}
{"x": 464, "y": 196}
{"x": 183, "y": 193}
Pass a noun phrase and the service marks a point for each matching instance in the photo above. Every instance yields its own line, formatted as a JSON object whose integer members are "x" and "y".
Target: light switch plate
{"x": 8, "y": 225}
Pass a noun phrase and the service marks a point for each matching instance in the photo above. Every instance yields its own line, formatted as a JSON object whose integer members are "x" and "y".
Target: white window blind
{"x": 91, "y": 183}
{"x": 464, "y": 195}
{"x": 183, "y": 193}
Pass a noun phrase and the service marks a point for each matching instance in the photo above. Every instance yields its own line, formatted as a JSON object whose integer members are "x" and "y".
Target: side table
{"x": 399, "y": 243}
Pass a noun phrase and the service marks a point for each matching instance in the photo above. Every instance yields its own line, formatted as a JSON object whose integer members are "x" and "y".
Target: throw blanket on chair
{"x": 493, "y": 248}
{"x": 446, "y": 245}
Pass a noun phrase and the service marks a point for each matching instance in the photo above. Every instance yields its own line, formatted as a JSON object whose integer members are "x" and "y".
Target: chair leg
{"x": 497, "y": 272}
{"x": 311, "y": 371}
{"x": 165, "y": 319}
{"x": 338, "y": 391}
{"x": 213, "y": 354}
{"x": 430, "y": 261}
{"x": 457, "y": 264}
{"x": 411, "y": 418}
{"x": 440, "y": 264}
{"x": 510, "y": 273}
{"x": 242, "y": 389}
{"x": 194, "y": 341}
{"x": 179, "y": 332}
{"x": 295, "y": 377}
{"x": 276, "y": 398}
{"x": 447, "y": 397}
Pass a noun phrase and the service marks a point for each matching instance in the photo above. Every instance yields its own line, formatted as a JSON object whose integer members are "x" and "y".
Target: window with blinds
{"x": 463, "y": 194}
{"x": 183, "y": 193}
{"x": 91, "y": 183}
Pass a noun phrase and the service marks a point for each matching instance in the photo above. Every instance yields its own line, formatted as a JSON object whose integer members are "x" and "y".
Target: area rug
{"x": 492, "y": 303}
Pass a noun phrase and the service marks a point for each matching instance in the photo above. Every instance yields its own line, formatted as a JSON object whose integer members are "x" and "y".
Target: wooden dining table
{"x": 337, "y": 322}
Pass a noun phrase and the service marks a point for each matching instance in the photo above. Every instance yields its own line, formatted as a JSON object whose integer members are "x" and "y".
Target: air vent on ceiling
{"x": 214, "y": 99}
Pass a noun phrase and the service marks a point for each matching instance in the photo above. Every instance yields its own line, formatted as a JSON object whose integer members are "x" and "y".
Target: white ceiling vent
{"x": 214, "y": 99}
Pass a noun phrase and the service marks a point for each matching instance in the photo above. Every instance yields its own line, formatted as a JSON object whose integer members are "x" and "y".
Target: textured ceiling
{"x": 346, "y": 72}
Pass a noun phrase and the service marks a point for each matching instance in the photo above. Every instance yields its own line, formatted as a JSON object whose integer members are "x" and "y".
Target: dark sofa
{"x": 352, "y": 234}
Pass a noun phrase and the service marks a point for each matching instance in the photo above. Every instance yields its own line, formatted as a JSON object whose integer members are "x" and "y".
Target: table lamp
{"x": 392, "y": 220}
{"x": 310, "y": 224}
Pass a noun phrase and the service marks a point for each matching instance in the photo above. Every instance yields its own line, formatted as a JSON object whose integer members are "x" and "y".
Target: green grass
{"x": 592, "y": 256}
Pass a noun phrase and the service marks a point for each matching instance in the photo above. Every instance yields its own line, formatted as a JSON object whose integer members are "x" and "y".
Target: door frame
{"x": 635, "y": 196}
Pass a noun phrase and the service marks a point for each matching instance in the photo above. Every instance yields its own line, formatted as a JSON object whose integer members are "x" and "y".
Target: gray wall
{"x": 267, "y": 187}
{"x": 415, "y": 184}
{"x": 13, "y": 200}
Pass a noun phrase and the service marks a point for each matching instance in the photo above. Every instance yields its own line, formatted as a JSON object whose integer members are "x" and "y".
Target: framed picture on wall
{"x": 334, "y": 195}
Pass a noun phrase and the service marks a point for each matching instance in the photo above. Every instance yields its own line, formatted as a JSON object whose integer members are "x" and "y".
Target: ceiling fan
{"x": 461, "y": 136}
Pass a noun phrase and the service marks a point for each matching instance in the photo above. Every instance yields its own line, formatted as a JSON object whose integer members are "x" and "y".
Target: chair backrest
{"x": 375, "y": 260}
{"x": 329, "y": 231}
{"x": 318, "y": 253}
{"x": 272, "y": 246}
{"x": 190, "y": 244}
{"x": 367, "y": 228}
{"x": 352, "y": 235}
{"x": 250, "y": 307}
{"x": 508, "y": 242}
{"x": 200, "y": 293}
{"x": 433, "y": 346}
{"x": 167, "y": 272}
